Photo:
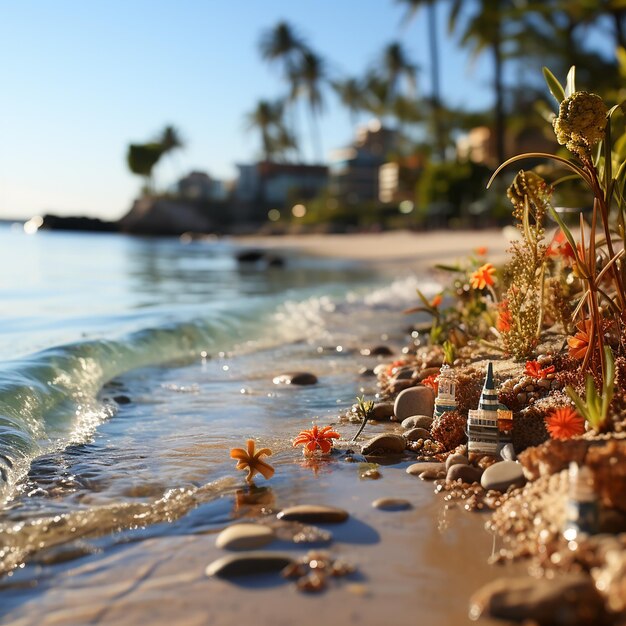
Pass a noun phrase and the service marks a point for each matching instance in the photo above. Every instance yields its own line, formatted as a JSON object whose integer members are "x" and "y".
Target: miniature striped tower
{"x": 446, "y": 391}
{"x": 482, "y": 423}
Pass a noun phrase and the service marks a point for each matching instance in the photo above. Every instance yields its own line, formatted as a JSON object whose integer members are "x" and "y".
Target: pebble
{"x": 244, "y": 537}
{"x": 467, "y": 473}
{"x": 122, "y": 399}
{"x": 404, "y": 373}
{"x": 366, "y": 372}
{"x": 313, "y": 513}
{"x": 508, "y": 452}
{"x": 391, "y": 504}
{"x": 428, "y": 466}
{"x": 248, "y": 563}
{"x": 417, "y": 421}
{"x": 416, "y": 433}
{"x": 377, "y": 351}
{"x": 456, "y": 459}
{"x": 570, "y": 600}
{"x": 382, "y": 411}
{"x": 428, "y": 371}
{"x": 500, "y": 476}
{"x": 295, "y": 378}
{"x": 384, "y": 444}
{"x": 414, "y": 401}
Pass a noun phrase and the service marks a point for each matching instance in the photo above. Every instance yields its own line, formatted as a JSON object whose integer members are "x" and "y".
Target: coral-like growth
{"x": 316, "y": 439}
{"x": 581, "y": 123}
{"x": 521, "y": 325}
{"x": 449, "y": 429}
{"x": 250, "y": 459}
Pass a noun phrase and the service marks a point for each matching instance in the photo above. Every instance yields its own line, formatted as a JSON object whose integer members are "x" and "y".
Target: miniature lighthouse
{"x": 446, "y": 391}
{"x": 482, "y": 423}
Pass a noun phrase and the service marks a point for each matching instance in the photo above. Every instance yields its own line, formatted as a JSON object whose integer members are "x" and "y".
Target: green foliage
{"x": 449, "y": 352}
{"x": 595, "y": 407}
{"x": 364, "y": 410}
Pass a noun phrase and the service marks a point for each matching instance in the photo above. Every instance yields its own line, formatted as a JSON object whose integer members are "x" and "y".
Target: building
{"x": 446, "y": 391}
{"x": 482, "y": 423}
{"x": 397, "y": 179}
{"x": 354, "y": 170}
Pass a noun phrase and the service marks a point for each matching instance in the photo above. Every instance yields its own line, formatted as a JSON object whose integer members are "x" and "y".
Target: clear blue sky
{"x": 82, "y": 78}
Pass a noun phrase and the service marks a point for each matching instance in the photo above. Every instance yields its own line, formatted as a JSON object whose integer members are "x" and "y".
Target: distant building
{"x": 266, "y": 184}
{"x": 195, "y": 186}
{"x": 397, "y": 180}
{"x": 354, "y": 175}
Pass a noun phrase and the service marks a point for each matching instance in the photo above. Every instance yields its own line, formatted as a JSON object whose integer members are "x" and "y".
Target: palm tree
{"x": 413, "y": 6}
{"x": 350, "y": 92}
{"x": 170, "y": 139}
{"x": 283, "y": 45}
{"x": 267, "y": 118}
{"x": 395, "y": 65}
{"x": 141, "y": 159}
{"x": 484, "y": 30}
{"x": 308, "y": 77}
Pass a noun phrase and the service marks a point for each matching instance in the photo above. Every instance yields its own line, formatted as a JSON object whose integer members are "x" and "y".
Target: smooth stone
{"x": 456, "y": 459}
{"x": 244, "y": 537}
{"x": 313, "y": 513}
{"x": 233, "y": 565}
{"x": 432, "y": 475}
{"x": 414, "y": 401}
{"x": 377, "y": 351}
{"x": 500, "y": 476}
{"x": 416, "y": 433}
{"x": 467, "y": 473}
{"x": 295, "y": 378}
{"x": 427, "y": 466}
{"x": 366, "y": 372}
{"x": 508, "y": 452}
{"x": 429, "y": 371}
{"x": 384, "y": 444}
{"x": 122, "y": 399}
{"x": 382, "y": 411}
{"x": 391, "y": 504}
{"x": 404, "y": 373}
{"x": 417, "y": 421}
{"x": 569, "y": 600}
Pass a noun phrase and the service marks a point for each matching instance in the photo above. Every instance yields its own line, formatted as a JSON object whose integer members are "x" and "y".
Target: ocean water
{"x": 129, "y": 367}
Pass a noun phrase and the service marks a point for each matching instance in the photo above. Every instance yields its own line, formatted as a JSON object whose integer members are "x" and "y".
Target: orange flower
{"x": 483, "y": 276}
{"x": 579, "y": 343}
{"x": 432, "y": 382}
{"x": 505, "y": 318}
{"x": 481, "y": 251}
{"x": 564, "y": 423}
{"x": 559, "y": 246}
{"x": 392, "y": 367}
{"x": 534, "y": 370}
{"x": 316, "y": 438}
{"x": 436, "y": 301}
{"x": 250, "y": 459}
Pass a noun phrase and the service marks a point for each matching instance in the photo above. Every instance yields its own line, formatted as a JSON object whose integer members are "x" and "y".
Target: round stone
{"x": 467, "y": 473}
{"x": 382, "y": 411}
{"x": 416, "y": 433}
{"x": 377, "y": 351}
{"x": 500, "y": 476}
{"x": 391, "y": 504}
{"x": 384, "y": 444}
{"x": 313, "y": 513}
{"x": 456, "y": 459}
{"x": 428, "y": 466}
{"x": 418, "y": 400}
{"x": 417, "y": 421}
{"x": 295, "y": 378}
{"x": 244, "y": 537}
{"x": 248, "y": 563}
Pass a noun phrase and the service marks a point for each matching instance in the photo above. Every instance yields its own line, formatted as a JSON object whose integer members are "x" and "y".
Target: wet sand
{"x": 416, "y": 566}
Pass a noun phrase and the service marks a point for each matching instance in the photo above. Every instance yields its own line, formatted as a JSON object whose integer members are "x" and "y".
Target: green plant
{"x": 595, "y": 407}
{"x": 449, "y": 352}
{"x": 364, "y": 409}
{"x": 584, "y": 126}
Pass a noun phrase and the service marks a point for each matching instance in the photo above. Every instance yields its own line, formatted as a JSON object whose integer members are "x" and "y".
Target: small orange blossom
{"x": 534, "y": 370}
{"x": 483, "y": 276}
{"x": 564, "y": 423}
{"x": 505, "y": 318}
{"x": 315, "y": 438}
{"x": 250, "y": 459}
{"x": 579, "y": 343}
{"x": 436, "y": 301}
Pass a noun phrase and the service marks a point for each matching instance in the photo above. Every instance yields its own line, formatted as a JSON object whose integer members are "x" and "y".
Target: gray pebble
{"x": 414, "y": 401}
{"x": 456, "y": 459}
{"x": 391, "y": 504}
{"x": 417, "y": 421}
{"x": 428, "y": 466}
{"x": 244, "y": 537}
{"x": 384, "y": 444}
{"x": 467, "y": 473}
{"x": 246, "y": 563}
{"x": 313, "y": 513}
{"x": 295, "y": 378}
{"x": 416, "y": 433}
{"x": 500, "y": 476}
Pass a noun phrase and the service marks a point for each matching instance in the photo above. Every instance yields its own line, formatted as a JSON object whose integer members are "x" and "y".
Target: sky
{"x": 81, "y": 80}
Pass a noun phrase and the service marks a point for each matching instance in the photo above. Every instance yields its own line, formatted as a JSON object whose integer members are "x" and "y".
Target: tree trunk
{"x": 498, "y": 85}
{"x": 434, "y": 77}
